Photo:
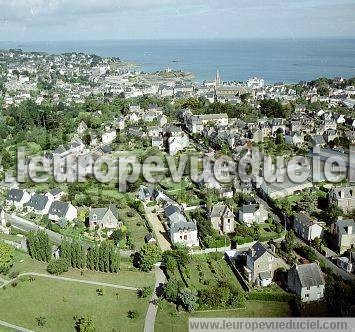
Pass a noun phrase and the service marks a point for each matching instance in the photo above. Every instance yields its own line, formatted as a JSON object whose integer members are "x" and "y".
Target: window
{"x": 306, "y": 296}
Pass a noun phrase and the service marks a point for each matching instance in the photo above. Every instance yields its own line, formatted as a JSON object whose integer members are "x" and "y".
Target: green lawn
{"x": 125, "y": 277}
{"x": 59, "y": 301}
{"x": 168, "y": 319}
{"x": 203, "y": 268}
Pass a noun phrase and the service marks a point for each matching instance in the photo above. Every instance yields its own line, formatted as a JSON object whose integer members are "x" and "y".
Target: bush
{"x": 58, "y": 266}
{"x": 41, "y": 321}
{"x": 132, "y": 314}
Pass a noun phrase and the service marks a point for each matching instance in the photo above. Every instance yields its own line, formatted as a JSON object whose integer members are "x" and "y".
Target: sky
{"x": 54, "y": 20}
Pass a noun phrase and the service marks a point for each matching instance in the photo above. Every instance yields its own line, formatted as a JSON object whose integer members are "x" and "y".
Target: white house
{"x": 306, "y": 227}
{"x": 62, "y": 210}
{"x": 181, "y": 231}
{"x": 17, "y": 198}
{"x": 40, "y": 204}
{"x": 253, "y": 213}
{"x": 108, "y": 136}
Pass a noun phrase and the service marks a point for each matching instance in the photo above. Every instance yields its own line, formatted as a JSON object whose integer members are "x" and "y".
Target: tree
{"x": 188, "y": 298}
{"x": 6, "y": 257}
{"x": 332, "y": 213}
{"x": 117, "y": 235}
{"x": 308, "y": 203}
{"x": 85, "y": 324}
{"x": 290, "y": 241}
{"x": 172, "y": 289}
{"x": 148, "y": 256}
{"x": 58, "y": 266}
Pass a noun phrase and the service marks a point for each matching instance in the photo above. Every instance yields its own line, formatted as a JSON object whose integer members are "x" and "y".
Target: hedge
{"x": 268, "y": 296}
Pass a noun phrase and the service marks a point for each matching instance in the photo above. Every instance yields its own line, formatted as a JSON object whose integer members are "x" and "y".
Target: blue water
{"x": 274, "y": 60}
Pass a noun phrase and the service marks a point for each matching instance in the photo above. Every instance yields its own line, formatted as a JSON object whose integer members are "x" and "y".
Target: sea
{"x": 275, "y": 60}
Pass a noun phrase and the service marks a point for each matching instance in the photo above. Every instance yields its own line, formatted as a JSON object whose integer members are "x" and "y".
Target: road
{"x": 153, "y": 307}
{"x": 14, "y": 327}
{"x": 27, "y": 226}
{"x": 158, "y": 228}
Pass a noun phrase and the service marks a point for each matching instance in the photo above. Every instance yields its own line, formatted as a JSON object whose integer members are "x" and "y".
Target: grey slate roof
{"x": 38, "y": 202}
{"x": 15, "y": 195}
{"x": 59, "y": 208}
{"x": 219, "y": 210}
{"x": 344, "y": 224}
{"x": 55, "y": 191}
{"x": 250, "y": 208}
{"x": 184, "y": 225}
{"x": 259, "y": 250}
{"x": 309, "y": 275}
{"x": 100, "y": 212}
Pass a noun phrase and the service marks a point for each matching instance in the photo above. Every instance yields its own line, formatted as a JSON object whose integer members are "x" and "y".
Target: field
{"x": 168, "y": 319}
{"x": 60, "y": 301}
{"x": 128, "y": 276}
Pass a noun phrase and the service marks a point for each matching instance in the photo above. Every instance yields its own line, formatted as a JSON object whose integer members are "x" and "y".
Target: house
{"x": 244, "y": 187}
{"x": 82, "y": 128}
{"x": 343, "y": 197}
{"x": 56, "y": 193}
{"x": 62, "y": 211}
{"x": 104, "y": 218}
{"x": 222, "y": 218}
{"x": 306, "y": 227}
{"x": 306, "y": 281}
{"x": 346, "y": 263}
{"x": 108, "y": 136}
{"x": 253, "y": 213}
{"x": 17, "y": 198}
{"x": 278, "y": 125}
{"x": 149, "y": 238}
{"x": 177, "y": 144}
{"x": 294, "y": 138}
{"x": 39, "y": 204}
{"x": 343, "y": 231}
{"x": 261, "y": 264}
{"x": 147, "y": 194}
{"x": 181, "y": 231}
{"x": 317, "y": 141}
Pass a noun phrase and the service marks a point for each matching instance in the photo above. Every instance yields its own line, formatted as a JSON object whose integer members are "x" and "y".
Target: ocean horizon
{"x": 275, "y": 60}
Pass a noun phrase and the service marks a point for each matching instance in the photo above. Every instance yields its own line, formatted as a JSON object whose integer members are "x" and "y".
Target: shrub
{"x": 41, "y": 321}
{"x": 132, "y": 314}
{"x": 58, "y": 266}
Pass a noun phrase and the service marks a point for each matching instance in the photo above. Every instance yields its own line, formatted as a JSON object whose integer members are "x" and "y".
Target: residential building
{"x": 306, "y": 281}
{"x": 17, "y": 198}
{"x": 343, "y": 231}
{"x": 253, "y": 213}
{"x": 261, "y": 264}
{"x": 39, "y": 204}
{"x": 306, "y": 227}
{"x": 222, "y": 218}
{"x": 343, "y": 197}
{"x": 181, "y": 231}
{"x": 62, "y": 211}
{"x": 104, "y": 218}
